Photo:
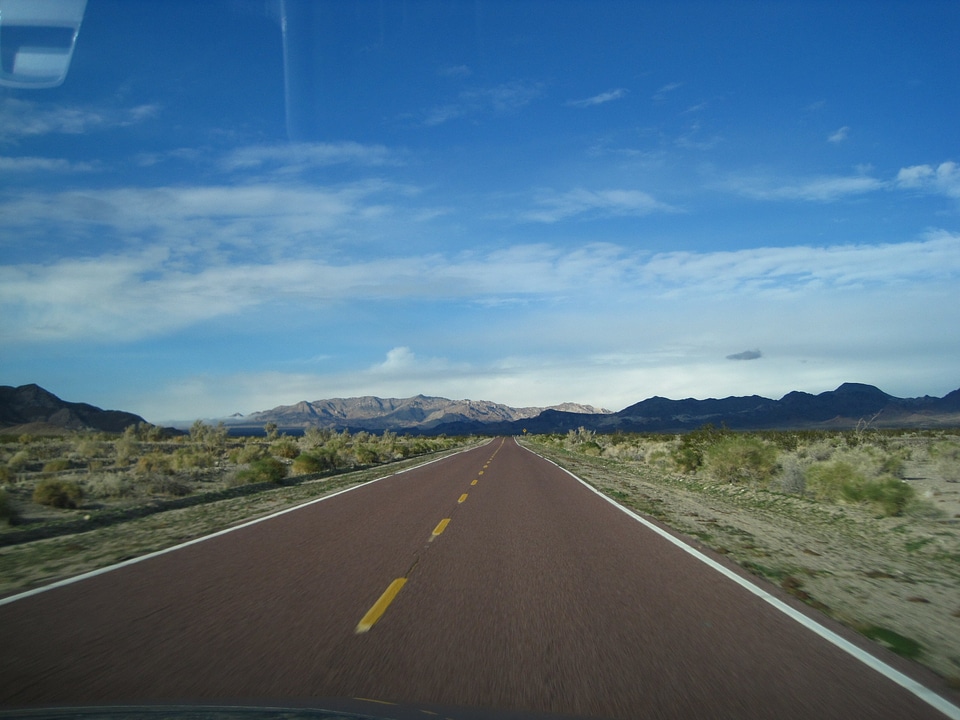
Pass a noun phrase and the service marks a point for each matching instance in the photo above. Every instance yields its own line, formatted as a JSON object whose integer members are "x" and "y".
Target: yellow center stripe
{"x": 441, "y": 526}
{"x": 462, "y": 498}
{"x": 474, "y": 482}
{"x": 381, "y": 605}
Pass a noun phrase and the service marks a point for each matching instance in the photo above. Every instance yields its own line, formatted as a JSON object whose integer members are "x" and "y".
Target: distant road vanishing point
{"x": 491, "y": 579}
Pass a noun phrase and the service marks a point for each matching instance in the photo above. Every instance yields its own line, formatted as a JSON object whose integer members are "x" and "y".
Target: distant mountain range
{"x": 840, "y": 408}
{"x": 31, "y": 408}
{"x": 420, "y": 413}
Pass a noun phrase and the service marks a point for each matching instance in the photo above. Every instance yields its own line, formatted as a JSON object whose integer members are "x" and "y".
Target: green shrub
{"x": 741, "y": 458}
{"x": 251, "y": 452}
{"x": 154, "y": 463}
{"x": 58, "y": 493}
{"x": 285, "y": 448}
{"x": 6, "y": 475}
{"x": 841, "y": 481}
{"x": 58, "y": 465}
{"x": 315, "y": 462}
{"x": 267, "y": 469}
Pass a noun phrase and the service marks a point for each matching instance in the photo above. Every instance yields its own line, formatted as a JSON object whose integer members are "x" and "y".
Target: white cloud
{"x": 553, "y": 206}
{"x": 817, "y": 189}
{"x": 20, "y": 118}
{"x": 43, "y": 164}
{"x": 296, "y": 157}
{"x": 840, "y": 135}
{"x": 501, "y": 99}
{"x": 121, "y": 298}
{"x": 599, "y": 99}
{"x": 662, "y": 93}
{"x": 258, "y": 216}
{"x": 942, "y": 180}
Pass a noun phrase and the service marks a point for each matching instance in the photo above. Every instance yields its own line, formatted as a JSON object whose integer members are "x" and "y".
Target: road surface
{"x": 491, "y": 579}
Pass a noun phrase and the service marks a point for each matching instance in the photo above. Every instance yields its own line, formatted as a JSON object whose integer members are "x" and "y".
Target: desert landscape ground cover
{"x": 862, "y": 525}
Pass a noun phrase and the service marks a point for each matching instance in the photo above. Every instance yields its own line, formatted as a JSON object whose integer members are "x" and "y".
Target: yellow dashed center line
{"x": 441, "y": 526}
{"x": 462, "y": 498}
{"x": 480, "y": 473}
{"x": 474, "y": 482}
{"x": 381, "y": 605}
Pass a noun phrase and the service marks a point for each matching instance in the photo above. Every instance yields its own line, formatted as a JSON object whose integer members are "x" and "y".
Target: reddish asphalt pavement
{"x": 537, "y": 595}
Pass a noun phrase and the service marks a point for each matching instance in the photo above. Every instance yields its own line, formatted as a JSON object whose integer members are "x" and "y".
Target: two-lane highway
{"x": 491, "y": 579}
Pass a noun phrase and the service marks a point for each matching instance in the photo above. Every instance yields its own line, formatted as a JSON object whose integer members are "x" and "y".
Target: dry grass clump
{"x": 58, "y": 493}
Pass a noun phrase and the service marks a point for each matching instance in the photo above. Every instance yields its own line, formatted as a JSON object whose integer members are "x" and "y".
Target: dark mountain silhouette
{"x": 31, "y": 408}
{"x": 845, "y": 407}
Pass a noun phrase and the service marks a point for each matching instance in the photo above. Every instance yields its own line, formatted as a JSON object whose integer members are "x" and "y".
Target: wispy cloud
{"x": 455, "y": 71}
{"x": 257, "y": 216}
{"x": 297, "y": 157}
{"x": 126, "y": 296}
{"x": 599, "y": 99}
{"x": 942, "y": 180}
{"x": 661, "y": 94}
{"x": 839, "y": 136}
{"x": 498, "y": 100}
{"x": 19, "y": 118}
{"x": 44, "y": 165}
{"x": 817, "y": 189}
{"x": 553, "y": 206}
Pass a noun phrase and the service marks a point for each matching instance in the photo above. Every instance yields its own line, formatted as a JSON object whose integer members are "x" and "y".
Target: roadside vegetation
{"x": 60, "y": 485}
{"x": 863, "y": 525}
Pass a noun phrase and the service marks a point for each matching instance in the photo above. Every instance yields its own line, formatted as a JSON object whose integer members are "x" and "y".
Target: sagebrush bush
{"x": 109, "y": 485}
{"x": 58, "y": 493}
{"x": 840, "y": 481}
{"x": 267, "y": 469}
{"x": 154, "y": 463}
{"x": 58, "y": 465}
{"x": 741, "y": 458}
{"x": 312, "y": 462}
{"x": 285, "y": 448}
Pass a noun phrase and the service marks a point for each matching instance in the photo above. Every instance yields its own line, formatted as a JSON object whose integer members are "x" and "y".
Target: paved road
{"x": 535, "y": 595}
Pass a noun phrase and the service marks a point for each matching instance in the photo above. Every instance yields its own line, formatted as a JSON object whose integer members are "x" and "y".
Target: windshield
{"x": 221, "y": 207}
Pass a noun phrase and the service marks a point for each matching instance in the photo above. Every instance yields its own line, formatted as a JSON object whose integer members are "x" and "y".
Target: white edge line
{"x": 921, "y": 691}
{"x": 116, "y": 566}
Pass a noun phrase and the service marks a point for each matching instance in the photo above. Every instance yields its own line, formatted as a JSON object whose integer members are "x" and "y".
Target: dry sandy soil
{"x": 876, "y": 574}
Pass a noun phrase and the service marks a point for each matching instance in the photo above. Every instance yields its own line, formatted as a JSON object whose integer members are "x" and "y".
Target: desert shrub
{"x": 185, "y": 459}
{"x": 840, "y": 481}
{"x": 58, "y": 465}
{"x": 308, "y": 463}
{"x": 791, "y": 477}
{"x": 154, "y": 463}
{"x": 109, "y": 485}
{"x": 267, "y": 469}
{"x": 365, "y": 454}
{"x": 58, "y": 493}
{"x": 166, "y": 485}
{"x": 7, "y": 475}
{"x": 590, "y": 447}
{"x": 251, "y": 452}
{"x": 19, "y": 461}
{"x": 285, "y": 448}
{"x": 8, "y": 513}
{"x": 741, "y": 458}
{"x": 689, "y": 454}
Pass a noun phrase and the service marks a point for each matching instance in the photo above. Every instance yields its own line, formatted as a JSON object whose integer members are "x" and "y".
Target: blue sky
{"x": 525, "y": 202}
